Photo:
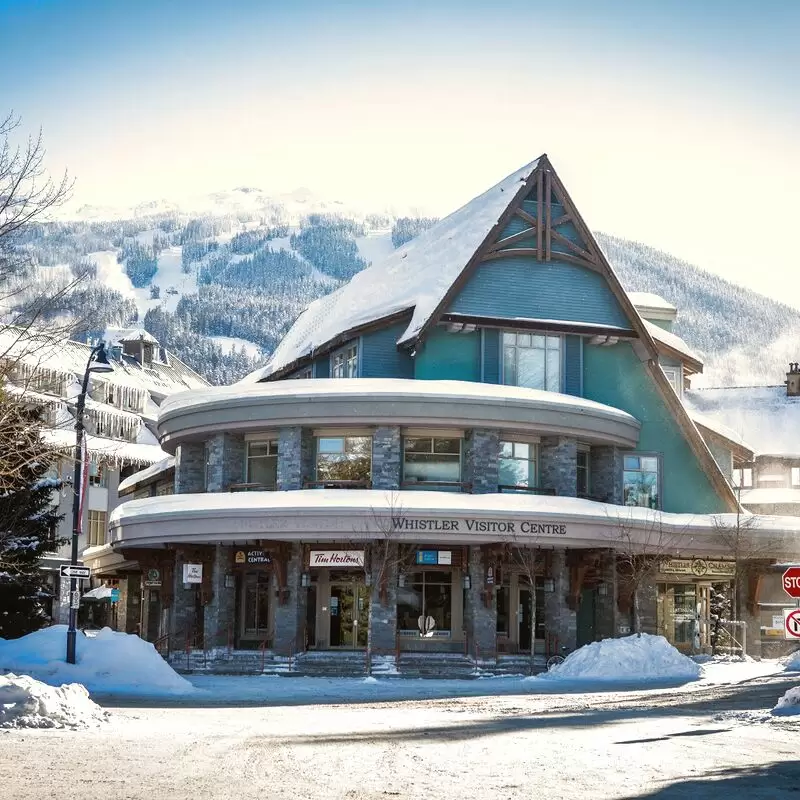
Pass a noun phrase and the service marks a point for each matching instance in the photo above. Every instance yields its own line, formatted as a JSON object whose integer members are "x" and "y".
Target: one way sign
{"x": 70, "y": 571}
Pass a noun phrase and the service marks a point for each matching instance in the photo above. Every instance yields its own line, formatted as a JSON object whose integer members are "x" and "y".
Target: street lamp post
{"x": 98, "y": 362}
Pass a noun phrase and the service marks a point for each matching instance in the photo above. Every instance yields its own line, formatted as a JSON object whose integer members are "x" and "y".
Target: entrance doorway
{"x": 587, "y": 617}
{"x": 349, "y": 613}
{"x": 524, "y": 611}
{"x": 254, "y": 616}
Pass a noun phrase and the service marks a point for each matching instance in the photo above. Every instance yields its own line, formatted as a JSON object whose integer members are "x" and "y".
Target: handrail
{"x": 336, "y": 484}
{"x": 249, "y": 487}
{"x": 465, "y": 486}
{"x": 525, "y": 489}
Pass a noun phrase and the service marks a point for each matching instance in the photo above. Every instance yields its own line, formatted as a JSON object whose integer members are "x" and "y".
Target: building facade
{"x": 476, "y": 447}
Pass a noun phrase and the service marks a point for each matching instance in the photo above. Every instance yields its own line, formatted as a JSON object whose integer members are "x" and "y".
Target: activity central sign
{"x": 527, "y": 527}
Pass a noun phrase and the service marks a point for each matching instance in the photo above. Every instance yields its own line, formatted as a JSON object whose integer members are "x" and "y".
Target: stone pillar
{"x": 220, "y": 612}
{"x": 558, "y": 458}
{"x": 182, "y": 612}
{"x": 383, "y": 598}
{"x": 605, "y": 474}
{"x": 289, "y": 609}
{"x": 295, "y": 458}
{"x": 606, "y": 609}
{"x": 481, "y": 608}
{"x": 386, "y": 458}
{"x": 559, "y": 619}
{"x": 190, "y": 468}
{"x": 481, "y": 453}
{"x": 225, "y": 461}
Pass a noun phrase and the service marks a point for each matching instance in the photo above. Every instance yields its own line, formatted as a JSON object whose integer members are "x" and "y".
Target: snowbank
{"x": 793, "y": 661}
{"x": 632, "y": 658}
{"x": 108, "y": 663}
{"x": 789, "y": 704}
{"x": 28, "y": 703}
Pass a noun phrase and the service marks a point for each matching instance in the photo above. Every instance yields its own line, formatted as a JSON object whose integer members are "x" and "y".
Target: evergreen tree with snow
{"x": 28, "y": 518}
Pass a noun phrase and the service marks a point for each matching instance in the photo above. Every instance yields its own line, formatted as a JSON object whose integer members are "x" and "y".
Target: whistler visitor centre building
{"x": 473, "y": 448}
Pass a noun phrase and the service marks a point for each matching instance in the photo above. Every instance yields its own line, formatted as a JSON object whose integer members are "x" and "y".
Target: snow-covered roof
{"x": 115, "y": 335}
{"x": 762, "y": 415}
{"x": 649, "y": 300}
{"x": 147, "y": 474}
{"x": 672, "y": 341}
{"x": 778, "y": 496}
{"x": 719, "y": 428}
{"x": 415, "y": 276}
{"x": 109, "y": 449}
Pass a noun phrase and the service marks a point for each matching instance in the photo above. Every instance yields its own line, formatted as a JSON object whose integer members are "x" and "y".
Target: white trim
{"x": 436, "y": 433}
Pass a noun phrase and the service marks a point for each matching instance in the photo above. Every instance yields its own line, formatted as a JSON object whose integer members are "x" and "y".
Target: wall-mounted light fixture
{"x": 466, "y": 582}
{"x": 602, "y": 589}
{"x": 305, "y": 580}
{"x": 401, "y": 580}
{"x": 549, "y": 585}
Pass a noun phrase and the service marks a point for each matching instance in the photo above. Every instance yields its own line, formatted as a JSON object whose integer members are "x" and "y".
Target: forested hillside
{"x": 220, "y": 286}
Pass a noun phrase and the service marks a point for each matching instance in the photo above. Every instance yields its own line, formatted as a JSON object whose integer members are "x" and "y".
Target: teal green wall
{"x": 524, "y": 288}
{"x": 380, "y": 356}
{"x": 722, "y": 455}
{"x": 616, "y": 377}
{"x": 449, "y": 356}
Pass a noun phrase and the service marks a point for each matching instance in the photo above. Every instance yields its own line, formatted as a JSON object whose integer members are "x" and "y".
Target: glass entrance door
{"x": 349, "y": 614}
{"x": 524, "y": 612}
{"x": 255, "y": 606}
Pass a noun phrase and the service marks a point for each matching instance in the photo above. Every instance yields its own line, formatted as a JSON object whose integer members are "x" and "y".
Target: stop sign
{"x": 791, "y": 581}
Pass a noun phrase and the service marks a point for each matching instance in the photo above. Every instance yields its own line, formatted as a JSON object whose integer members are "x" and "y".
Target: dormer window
{"x": 344, "y": 363}
{"x": 673, "y": 375}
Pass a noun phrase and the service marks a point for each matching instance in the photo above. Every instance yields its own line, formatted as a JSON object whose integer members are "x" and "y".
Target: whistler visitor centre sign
{"x": 479, "y": 526}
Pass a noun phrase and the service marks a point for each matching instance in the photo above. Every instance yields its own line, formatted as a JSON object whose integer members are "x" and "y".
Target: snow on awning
{"x": 110, "y": 450}
{"x": 147, "y": 474}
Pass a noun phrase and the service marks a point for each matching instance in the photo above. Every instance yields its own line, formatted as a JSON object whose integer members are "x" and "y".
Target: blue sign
{"x": 427, "y": 556}
{"x": 114, "y": 595}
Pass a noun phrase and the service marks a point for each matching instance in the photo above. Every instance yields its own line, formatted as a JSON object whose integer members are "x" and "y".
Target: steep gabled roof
{"x": 414, "y": 277}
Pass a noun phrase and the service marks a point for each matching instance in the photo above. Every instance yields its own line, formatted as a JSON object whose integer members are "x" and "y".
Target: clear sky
{"x": 672, "y": 122}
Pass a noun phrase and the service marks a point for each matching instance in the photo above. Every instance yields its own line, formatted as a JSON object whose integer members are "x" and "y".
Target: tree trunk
{"x": 533, "y": 622}
{"x": 637, "y": 619}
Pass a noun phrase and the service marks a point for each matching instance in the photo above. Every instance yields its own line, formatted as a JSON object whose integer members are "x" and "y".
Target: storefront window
{"x": 678, "y": 614}
{"x": 344, "y": 458}
{"x": 518, "y": 466}
{"x": 424, "y": 604}
{"x": 262, "y": 463}
{"x": 532, "y": 360}
{"x": 431, "y": 460}
{"x": 640, "y": 481}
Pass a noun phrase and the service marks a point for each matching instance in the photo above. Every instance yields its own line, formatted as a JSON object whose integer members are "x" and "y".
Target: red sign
{"x": 791, "y": 581}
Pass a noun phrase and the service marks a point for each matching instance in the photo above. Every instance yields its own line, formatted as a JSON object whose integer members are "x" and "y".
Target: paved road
{"x": 713, "y": 742}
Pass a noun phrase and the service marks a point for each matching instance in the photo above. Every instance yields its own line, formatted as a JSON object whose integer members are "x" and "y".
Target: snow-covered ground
{"x": 229, "y": 343}
{"x": 28, "y": 703}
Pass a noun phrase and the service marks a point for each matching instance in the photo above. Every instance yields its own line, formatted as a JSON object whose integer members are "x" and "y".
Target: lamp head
{"x": 100, "y": 362}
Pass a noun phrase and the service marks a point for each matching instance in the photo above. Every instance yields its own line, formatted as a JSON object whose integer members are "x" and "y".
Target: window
{"x": 532, "y": 360}
{"x": 743, "y": 478}
{"x": 97, "y": 529}
{"x": 640, "y": 481}
{"x": 303, "y": 374}
{"x": 98, "y": 474}
{"x": 431, "y": 459}
{"x": 582, "y": 467}
{"x": 796, "y": 477}
{"x": 344, "y": 458}
{"x": 165, "y": 489}
{"x": 426, "y": 594}
{"x": 262, "y": 463}
{"x": 344, "y": 364}
{"x": 518, "y": 465}
{"x": 207, "y": 462}
{"x": 673, "y": 375}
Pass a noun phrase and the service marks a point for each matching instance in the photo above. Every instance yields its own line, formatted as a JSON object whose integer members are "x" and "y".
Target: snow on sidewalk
{"x": 109, "y": 663}
{"x": 789, "y": 704}
{"x": 28, "y": 703}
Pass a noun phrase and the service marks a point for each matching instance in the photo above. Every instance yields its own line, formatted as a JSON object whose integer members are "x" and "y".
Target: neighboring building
{"x": 119, "y": 418}
{"x": 487, "y": 393}
{"x": 769, "y": 481}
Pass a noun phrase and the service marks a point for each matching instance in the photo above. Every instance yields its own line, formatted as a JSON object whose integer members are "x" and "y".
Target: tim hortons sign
{"x": 698, "y": 567}
{"x": 336, "y": 558}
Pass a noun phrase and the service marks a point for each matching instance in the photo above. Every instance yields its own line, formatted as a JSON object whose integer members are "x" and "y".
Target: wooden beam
{"x": 532, "y": 251}
{"x": 529, "y": 218}
{"x": 548, "y": 216}
{"x": 572, "y": 246}
{"x": 539, "y": 215}
{"x": 528, "y": 233}
{"x": 561, "y": 220}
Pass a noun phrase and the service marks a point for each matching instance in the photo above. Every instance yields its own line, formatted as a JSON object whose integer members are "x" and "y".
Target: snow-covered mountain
{"x": 219, "y": 278}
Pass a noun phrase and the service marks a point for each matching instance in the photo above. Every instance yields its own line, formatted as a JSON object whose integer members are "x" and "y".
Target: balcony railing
{"x": 456, "y": 486}
{"x": 252, "y": 487}
{"x": 363, "y": 484}
{"x": 510, "y": 489}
